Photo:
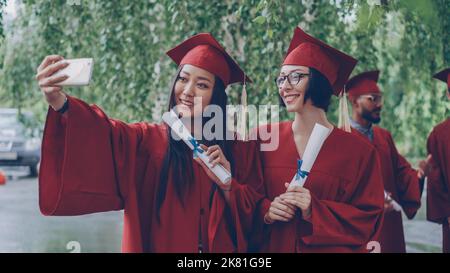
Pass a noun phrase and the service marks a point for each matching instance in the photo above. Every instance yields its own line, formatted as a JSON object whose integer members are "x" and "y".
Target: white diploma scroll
{"x": 177, "y": 126}
{"x": 315, "y": 142}
{"x": 394, "y": 203}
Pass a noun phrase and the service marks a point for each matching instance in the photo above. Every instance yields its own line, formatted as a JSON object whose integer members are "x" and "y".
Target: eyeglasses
{"x": 293, "y": 79}
{"x": 377, "y": 99}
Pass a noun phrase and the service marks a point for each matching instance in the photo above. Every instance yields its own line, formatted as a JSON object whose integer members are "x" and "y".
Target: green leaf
{"x": 260, "y": 20}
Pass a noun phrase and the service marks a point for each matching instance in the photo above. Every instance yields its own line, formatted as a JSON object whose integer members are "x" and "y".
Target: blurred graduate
{"x": 403, "y": 184}
{"x": 438, "y": 185}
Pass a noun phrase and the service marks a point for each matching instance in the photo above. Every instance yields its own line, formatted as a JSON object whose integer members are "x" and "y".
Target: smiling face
{"x": 193, "y": 91}
{"x": 293, "y": 91}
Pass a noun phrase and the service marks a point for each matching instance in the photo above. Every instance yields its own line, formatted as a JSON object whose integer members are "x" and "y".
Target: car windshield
{"x": 14, "y": 125}
{"x": 8, "y": 120}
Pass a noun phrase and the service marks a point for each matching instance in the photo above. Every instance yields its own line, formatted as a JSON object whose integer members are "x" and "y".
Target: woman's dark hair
{"x": 319, "y": 90}
{"x": 178, "y": 162}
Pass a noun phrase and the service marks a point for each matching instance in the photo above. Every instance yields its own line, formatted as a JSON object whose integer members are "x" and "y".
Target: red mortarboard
{"x": 364, "y": 83}
{"x": 308, "y": 51}
{"x": 444, "y": 76}
{"x": 203, "y": 51}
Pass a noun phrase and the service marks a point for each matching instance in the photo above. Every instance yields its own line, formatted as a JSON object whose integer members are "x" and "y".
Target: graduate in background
{"x": 402, "y": 183}
{"x": 438, "y": 185}
{"x": 339, "y": 208}
{"x": 92, "y": 163}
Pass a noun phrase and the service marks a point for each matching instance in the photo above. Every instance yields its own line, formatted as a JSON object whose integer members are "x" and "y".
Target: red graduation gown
{"x": 401, "y": 180}
{"x": 347, "y": 196}
{"x": 91, "y": 163}
{"x": 438, "y": 185}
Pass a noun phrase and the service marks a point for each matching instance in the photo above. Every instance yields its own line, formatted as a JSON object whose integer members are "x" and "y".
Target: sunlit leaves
{"x": 407, "y": 40}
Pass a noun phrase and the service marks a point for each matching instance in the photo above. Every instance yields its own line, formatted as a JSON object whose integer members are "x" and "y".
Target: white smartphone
{"x": 78, "y": 70}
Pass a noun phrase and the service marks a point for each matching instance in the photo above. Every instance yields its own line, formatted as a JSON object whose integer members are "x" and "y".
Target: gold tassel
{"x": 344, "y": 117}
{"x": 242, "y": 121}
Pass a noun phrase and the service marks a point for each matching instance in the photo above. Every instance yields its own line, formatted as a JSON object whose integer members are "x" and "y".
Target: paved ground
{"x": 24, "y": 229}
{"x": 421, "y": 235}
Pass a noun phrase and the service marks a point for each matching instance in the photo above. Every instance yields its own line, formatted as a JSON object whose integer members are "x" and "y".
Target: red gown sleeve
{"x": 87, "y": 161}
{"x": 438, "y": 196}
{"x": 408, "y": 184}
{"x": 246, "y": 192}
{"x": 260, "y": 230}
{"x": 355, "y": 219}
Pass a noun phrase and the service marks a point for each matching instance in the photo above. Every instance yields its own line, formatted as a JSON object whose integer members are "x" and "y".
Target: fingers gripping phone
{"x": 78, "y": 70}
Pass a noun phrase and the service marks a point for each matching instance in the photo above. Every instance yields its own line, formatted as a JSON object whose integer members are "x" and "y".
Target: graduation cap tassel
{"x": 344, "y": 118}
{"x": 242, "y": 123}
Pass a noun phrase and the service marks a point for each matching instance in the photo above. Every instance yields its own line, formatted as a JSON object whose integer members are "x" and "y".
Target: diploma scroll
{"x": 177, "y": 126}
{"x": 315, "y": 142}
{"x": 394, "y": 203}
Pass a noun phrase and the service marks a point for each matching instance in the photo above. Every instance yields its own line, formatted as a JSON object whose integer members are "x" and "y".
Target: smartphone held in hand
{"x": 78, "y": 70}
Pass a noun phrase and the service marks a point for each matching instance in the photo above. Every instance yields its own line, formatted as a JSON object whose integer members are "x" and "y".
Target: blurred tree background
{"x": 407, "y": 40}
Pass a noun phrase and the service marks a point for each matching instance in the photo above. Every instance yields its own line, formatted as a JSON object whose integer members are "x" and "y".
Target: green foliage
{"x": 2, "y": 5}
{"x": 406, "y": 39}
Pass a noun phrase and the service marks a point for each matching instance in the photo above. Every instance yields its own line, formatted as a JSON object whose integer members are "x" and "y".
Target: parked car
{"x": 20, "y": 142}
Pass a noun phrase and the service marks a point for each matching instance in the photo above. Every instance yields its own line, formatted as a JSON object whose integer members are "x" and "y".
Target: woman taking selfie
{"x": 339, "y": 207}
{"x": 92, "y": 163}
